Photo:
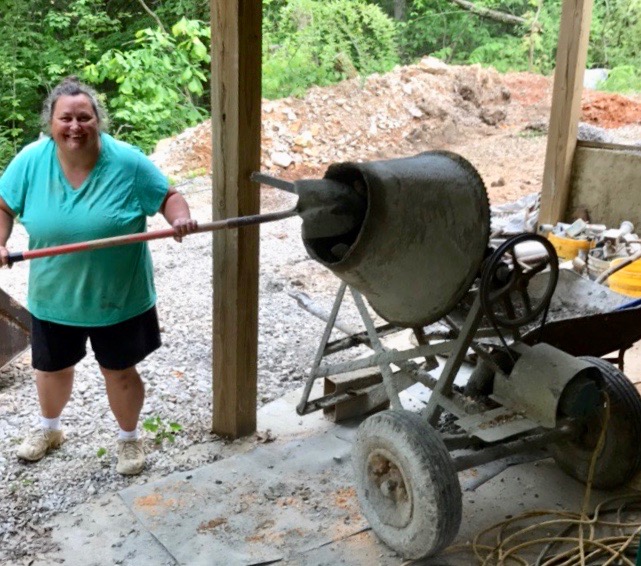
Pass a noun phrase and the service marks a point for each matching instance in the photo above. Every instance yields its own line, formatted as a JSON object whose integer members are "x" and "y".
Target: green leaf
{"x": 195, "y": 86}
{"x": 199, "y": 49}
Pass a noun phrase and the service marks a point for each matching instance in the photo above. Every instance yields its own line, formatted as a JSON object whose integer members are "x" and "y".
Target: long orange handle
{"x": 228, "y": 224}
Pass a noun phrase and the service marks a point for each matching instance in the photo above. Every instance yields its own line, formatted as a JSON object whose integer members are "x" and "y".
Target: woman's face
{"x": 74, "y": 124}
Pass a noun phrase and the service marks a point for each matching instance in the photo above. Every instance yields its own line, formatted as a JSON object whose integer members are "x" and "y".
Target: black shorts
{"x": 117, "y": 346}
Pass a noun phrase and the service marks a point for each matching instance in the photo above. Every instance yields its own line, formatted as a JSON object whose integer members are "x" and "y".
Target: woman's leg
{"x": 54, "y": 390}
{"x": 126, "y": 394}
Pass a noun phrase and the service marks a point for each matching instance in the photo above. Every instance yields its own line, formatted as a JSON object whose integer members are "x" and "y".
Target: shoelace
{"x": 131, "y": 449}
{"x": 40, "y": 435}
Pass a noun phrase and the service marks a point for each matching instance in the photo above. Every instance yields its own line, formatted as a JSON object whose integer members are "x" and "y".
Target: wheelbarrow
{"x": 15, "y": 328}
{"x": 539, "y": 382}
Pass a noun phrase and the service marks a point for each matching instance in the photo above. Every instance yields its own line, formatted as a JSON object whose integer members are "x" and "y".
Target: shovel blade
{"x": 328, "y": 208}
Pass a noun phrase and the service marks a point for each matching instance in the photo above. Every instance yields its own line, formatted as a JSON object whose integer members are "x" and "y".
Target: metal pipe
{"x": 358, "y": 339}
{"x": 486, "y": 455}
{"x": 306, "y": 303}
{"x": 273, "y": 182}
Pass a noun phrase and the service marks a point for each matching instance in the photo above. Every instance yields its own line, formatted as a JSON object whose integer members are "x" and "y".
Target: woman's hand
{"x": 176, "y": 211}
{"x": 182, "y": 227}
{"x": 4, "y": 257}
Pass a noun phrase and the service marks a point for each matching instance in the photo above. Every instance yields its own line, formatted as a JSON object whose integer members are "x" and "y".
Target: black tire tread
{"x": 434, "y": 461}
{"x": 625, "y": 406}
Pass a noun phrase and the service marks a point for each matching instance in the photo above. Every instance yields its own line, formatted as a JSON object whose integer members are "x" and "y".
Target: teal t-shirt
{"x": 97, "y": 287}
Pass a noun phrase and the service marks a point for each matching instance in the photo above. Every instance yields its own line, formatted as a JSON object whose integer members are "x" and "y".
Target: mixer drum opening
{"x": 424, "y": 233}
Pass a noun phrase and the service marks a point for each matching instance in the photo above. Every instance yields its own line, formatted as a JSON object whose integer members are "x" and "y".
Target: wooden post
{"x": 236, "y": 116}
{"x": 566, "y": 108}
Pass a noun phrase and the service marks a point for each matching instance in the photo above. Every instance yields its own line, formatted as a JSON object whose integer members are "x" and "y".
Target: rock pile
{"x": 427, "y": 103}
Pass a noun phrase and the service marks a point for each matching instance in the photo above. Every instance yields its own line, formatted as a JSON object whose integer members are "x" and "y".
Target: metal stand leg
{"x": 313, "y": 374}
{"x": 381, "y": 357}
{"x": 377, "y": 346}
{"x": 443, "y": 389}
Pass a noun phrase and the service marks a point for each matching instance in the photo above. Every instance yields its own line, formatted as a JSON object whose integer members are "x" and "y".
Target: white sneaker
{"x": 131, "y": 457}
{"x": 39, "y": 442}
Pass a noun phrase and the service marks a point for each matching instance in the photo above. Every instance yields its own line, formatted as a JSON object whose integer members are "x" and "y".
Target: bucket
{"x": 596, "y": 266}
{"x": 422, "y": 240}
{"x": 568, "y": 248}
{"x": 626, "y": 281}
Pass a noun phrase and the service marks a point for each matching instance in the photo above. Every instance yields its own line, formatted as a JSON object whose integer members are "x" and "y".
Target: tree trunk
{"x": 491, "y": 14}
{"x": 400, "y": 9}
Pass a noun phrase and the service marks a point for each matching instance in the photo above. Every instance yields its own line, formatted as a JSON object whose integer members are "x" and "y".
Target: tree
{"x": 400, "y": 9}
{"x": 160, "y": 81}
{"x": 315, "y": 42}
{"x": 486, "y": 12}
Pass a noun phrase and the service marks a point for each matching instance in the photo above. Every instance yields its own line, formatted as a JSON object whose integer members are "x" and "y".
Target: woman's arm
{"x": 6, "y": 225}
{"x": 176, "y": 211}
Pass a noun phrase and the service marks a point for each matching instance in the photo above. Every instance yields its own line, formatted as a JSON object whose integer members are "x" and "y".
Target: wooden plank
{"x": 236, "y": 99}
{"x": 566, "y": 108}
{"x": 353, "y": 381}
{"x": 370, "y": 398}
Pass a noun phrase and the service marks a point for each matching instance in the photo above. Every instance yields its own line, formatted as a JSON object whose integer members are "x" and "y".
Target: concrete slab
{"x": 268, "y": 505}
{"x": 103, "y": 532}
{"x": 290, "y": 501}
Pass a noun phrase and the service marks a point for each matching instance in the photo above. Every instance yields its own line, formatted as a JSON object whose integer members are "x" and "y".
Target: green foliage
{"x": 614, "y": 34}
{"x": 188, "y": 9}
{"x": 101, "y": 452}
{"x": 159, "y": 81}
{"x": 312, "y": 42}
{"x": 18, "y": 80}
{"x": 441, "y": 29}
{"x": 90, "y": 22}
{"x": 504, "y": 54}
{"x": 161, "y": 430}
{"x": 626, "y": 78}
{"x": 448, "y": 32}
{"x": 154, "y": 67}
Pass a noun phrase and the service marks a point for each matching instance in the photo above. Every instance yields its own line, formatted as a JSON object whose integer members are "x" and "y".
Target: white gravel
{"x": 178, "y": 376}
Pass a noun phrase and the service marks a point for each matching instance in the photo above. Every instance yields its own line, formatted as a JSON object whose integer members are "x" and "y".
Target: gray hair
{"x": 71, "y": 86}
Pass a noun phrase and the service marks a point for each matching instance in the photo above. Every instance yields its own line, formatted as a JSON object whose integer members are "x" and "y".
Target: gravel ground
{"x": 177, "y": 376}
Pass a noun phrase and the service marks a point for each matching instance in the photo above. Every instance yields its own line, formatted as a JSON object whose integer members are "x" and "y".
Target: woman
{"x": 78, "y": 183}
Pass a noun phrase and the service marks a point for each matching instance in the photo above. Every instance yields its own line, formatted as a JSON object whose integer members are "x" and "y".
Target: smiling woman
{"x": 74, "y": 184}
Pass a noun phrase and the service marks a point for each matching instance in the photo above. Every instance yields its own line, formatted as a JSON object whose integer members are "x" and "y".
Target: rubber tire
{"x": 620, "y": 458}
{"x": 434, "y": 494}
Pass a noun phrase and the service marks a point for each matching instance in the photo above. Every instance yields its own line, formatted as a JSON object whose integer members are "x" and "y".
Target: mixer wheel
{"x": 406, "y": 483}
{"x": 620, "y": 458}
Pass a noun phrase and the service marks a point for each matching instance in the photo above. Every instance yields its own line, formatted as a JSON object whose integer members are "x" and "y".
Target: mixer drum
{"x": 422, "y": 239}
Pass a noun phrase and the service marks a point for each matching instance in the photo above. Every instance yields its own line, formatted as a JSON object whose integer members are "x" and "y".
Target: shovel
{"x": 327, "y": 209}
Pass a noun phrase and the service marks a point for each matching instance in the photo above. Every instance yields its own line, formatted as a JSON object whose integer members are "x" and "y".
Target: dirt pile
{"x": 428, "y": 103}
{"x": 610, "y": 110}
{"x": 411, "y": 109}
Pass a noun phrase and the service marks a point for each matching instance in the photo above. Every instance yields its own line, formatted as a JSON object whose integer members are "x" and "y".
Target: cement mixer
{"x": 414, "y": 245}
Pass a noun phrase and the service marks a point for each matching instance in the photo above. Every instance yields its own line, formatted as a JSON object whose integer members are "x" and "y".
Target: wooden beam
{"x": 236, "y": 115}
{"x": 566, "y": 108}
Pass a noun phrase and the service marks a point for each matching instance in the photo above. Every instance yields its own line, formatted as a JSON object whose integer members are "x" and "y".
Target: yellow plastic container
{"x": 568, "y": 248}
{"x": 627, "y": 280}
